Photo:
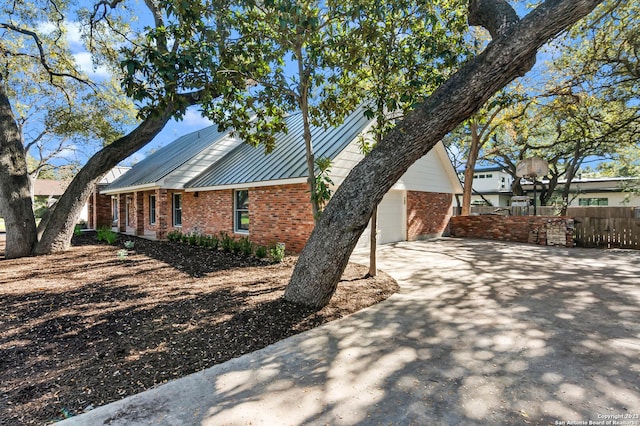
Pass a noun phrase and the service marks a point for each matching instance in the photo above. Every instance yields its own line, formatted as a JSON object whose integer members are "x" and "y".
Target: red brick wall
{"x": 428, "y": 214}
{"x": 163, "y": 208}
{"x": 207, "y": 212}
{"x": 531, "y": 229}
{"x": 277, "y": 214}
{"x": 100, "y": 212}
{"x": 280, "y": 214}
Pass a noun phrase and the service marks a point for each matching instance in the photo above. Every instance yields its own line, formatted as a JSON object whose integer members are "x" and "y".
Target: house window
{"x": 241, "y": 211}
{"x": 152, "y": 209}
{"x": 127, "y": 213}
{"x": 177, "y": 209}
{"x": 593, "y": 201}
{"x": 114, "y": 204}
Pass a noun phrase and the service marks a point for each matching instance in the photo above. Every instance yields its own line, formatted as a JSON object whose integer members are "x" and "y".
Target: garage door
{"x": 391, "y": 220}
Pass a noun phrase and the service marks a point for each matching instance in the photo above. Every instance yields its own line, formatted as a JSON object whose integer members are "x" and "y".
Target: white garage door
{"x": 392, "y": 218}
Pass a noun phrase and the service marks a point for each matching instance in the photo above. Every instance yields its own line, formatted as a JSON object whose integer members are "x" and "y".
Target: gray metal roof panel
{"x": 167, "y": 159}
{"x": 246, "y": 164}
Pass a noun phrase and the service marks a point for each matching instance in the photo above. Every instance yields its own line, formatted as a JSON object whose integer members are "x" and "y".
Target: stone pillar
{"x": 139, "y": 206}
{"x": 163, "y": 213}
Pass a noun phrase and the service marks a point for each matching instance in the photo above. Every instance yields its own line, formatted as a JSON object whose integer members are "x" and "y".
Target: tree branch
{"x": 497, "y": 16}
{"x": 42, "y": 57}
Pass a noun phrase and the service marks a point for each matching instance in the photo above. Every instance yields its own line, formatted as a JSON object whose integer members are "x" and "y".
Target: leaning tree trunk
{"x": 57, "y": 228}
{"x": 15, "y": 186}
{"x": 510, "y": 54}
{"x": 469, "y": 169}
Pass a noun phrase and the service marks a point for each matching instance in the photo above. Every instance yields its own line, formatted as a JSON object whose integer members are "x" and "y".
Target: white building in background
{"x": 492, "y": 185}
{"x": 605, "y": 192}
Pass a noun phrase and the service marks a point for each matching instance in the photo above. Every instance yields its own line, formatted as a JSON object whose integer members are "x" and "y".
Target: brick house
{"x": 209, "y": 181}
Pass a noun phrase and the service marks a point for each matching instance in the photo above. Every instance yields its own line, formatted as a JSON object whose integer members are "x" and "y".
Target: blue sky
{"x": 193, "y": 120}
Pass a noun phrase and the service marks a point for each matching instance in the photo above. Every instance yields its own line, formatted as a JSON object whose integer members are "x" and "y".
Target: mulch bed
{"x": 84, "y": 328}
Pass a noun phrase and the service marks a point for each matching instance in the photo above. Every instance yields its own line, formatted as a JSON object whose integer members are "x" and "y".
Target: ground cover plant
{"x": 87, "y": 327}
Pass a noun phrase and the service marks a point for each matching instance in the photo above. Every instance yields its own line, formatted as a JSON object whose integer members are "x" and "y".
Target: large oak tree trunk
{"x": 57, "y": 228}
{"x": 15, "y": 186}
{"x": 509, "y": 55}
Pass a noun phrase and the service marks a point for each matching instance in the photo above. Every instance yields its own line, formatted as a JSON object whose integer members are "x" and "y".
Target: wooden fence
{"x": 609, "y": 227}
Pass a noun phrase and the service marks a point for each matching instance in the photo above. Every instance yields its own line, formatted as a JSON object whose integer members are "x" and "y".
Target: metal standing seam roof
{"x": 161, "y": 163}
{"x": 246, "y": 164}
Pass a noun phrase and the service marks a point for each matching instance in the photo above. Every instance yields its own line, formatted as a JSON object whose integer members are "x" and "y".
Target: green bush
{"x": 77, "y": 230}
{"x": 212, "y": 242}
{"x": 277, "y": 252}
{"x": 261, "y": 252}
{"x": 107, "y": 235}
{"x": 236, "y": 246}
{"x": 174, "y": 235}
{"x": 192, "y": 238}
{"x": 246, "y": 246}
{"x": 226, "y": 242}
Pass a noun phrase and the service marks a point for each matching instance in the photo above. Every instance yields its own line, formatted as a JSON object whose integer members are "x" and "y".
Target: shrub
{"x": 174, "y": 235}
{"x": 107, "y": 235}
{"x": 77, "y": 230}
{"x": 261, "y": 252}
{"x": 226, "y": 242}
{"x": 111, "y": 237}
{"x": 122, "y": 254}
{"x": 246, "y": 246}
{"x": 236, "y": 246}
{"x": 277, "y": 252}
{"x": 129, "y": 244}
{"x": 213, "y": 242}
{"x": 192, "y": 238}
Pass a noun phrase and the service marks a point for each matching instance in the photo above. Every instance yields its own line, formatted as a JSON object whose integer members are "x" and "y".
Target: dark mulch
{"x": 84, "y": 328}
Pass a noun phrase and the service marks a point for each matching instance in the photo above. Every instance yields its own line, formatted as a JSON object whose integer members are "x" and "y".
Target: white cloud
{"x": 193, "y": 118}
{"x": 84, "y": 62}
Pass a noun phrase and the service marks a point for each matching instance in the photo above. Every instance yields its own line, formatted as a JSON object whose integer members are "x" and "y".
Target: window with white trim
{"x": 241, "y": 210}
{"x": 593, "y": 201}
{"x": 152, "y": 209}
{"x": 177, "y": 209}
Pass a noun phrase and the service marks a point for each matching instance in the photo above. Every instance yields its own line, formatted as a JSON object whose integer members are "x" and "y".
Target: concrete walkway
{"x": 481, "y": 333}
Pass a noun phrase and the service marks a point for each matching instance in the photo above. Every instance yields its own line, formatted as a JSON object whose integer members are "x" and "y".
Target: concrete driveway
{"x": 481, "y": 333}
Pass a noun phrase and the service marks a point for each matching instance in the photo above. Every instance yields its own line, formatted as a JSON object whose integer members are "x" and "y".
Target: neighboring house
{"x": 47, "y": 191}
{"x": 608, "y": 192}
{"x": 209, "y": 181}
{"x": 100, "y": 210}
{"x": 492, "y": 185}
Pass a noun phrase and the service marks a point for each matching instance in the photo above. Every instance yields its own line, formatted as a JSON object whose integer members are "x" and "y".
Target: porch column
{"x": 162, "y": 213}
{"x": 92, "y": 214}
{"x": 139, "y": 206}
{"x": 122, "y": 213}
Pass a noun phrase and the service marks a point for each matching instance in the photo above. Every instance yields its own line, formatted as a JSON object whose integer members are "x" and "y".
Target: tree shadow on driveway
{"x": 481, "y": 333}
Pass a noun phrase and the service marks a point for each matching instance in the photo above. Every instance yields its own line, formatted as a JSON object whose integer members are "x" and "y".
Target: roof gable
{"x": 246, "y": 164}
{"x": 169, "y": 159}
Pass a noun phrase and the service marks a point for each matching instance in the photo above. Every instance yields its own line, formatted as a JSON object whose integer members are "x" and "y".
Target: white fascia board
{"x": 441, "y": 151}
{"x": 134, "y": 188}
{"x": 245, "y": 185}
